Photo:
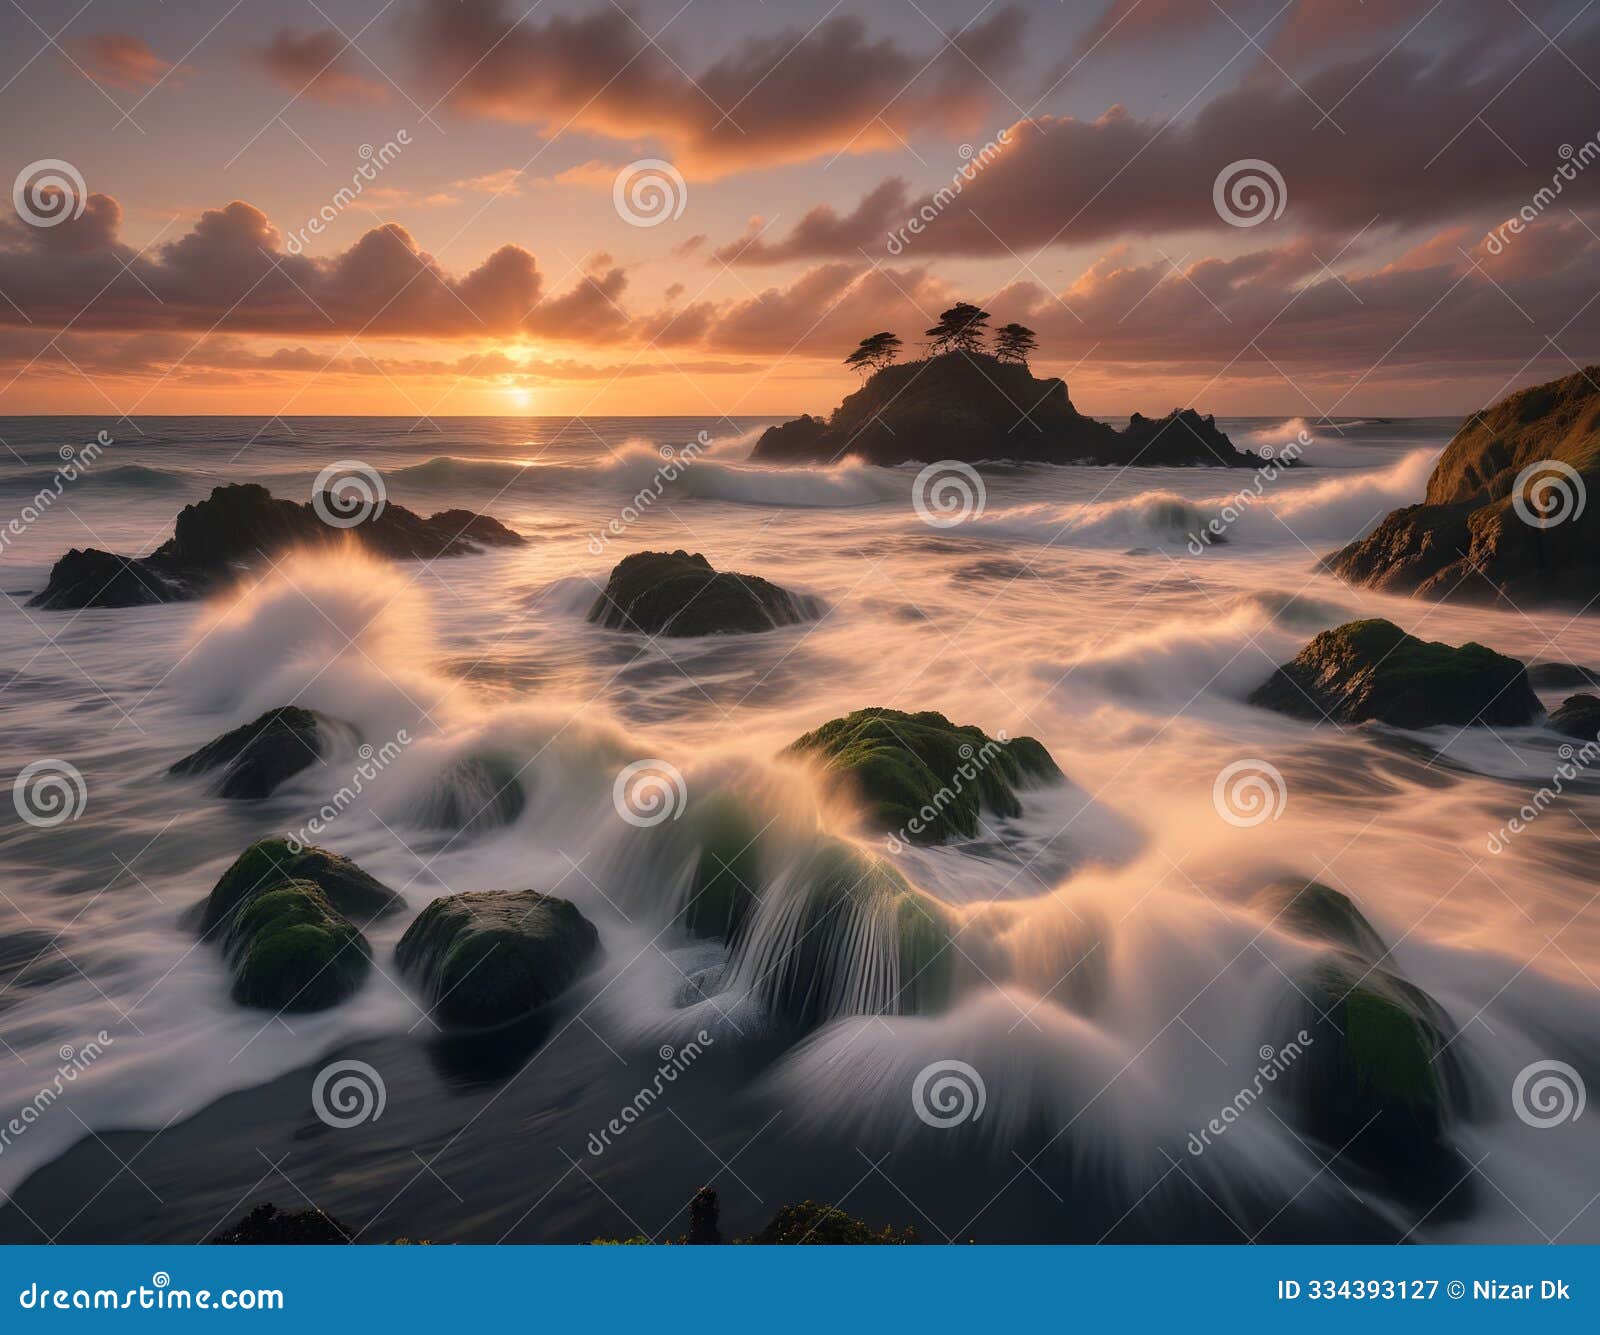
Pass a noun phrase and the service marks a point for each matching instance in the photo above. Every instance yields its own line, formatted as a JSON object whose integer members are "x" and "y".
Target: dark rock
{"x": 473, "y": 794}
{"x": 704, "y": 1213}
{"x": 1560, "y": 676}
{"x": 266, "y": 1225}
{"x": 490, "y": 956}
{"x": 674, "y": 593}
{"x": 973, "y": 407}
{"x": 1373, "y": 670}
{"x": 1466, "y": 541}
{"x": 263, "y": 753}
{"x": 923, "y": 776}
{"x": 812, "y": 1223}
{"x": 1579, "y": 716}
{"x": 1323, "y": 913}
{"x": 271, "y": 862}
{"x": 727, "y": 876}
{"x": 241, "y": 525}
{"x": 291, "y": 950}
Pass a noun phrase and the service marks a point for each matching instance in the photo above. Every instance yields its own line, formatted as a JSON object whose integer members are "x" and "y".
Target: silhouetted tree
{"x": 960, "y": 329}
{"x": 875, "y": 352}
{"x": 1014, "y": 342}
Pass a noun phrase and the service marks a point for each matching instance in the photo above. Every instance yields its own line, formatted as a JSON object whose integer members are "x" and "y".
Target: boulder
{"x": 471, "y": 795}
{"x": 262, "y": 754}
{"x": 92, "y": 578}
{"x": 674, "y": 593}
{"x": 972, "y": 407}
{"x": 266, "y": 1225}
{"x": 727, "y": 874}
{"x": 1374, "y": 670}
{"x": 1322, "y": 913}
{"x": 1560, "y": 676}
{"x": 270, "y": 862}
{"x": 812, "y": 1223}
{"x": 1579, "y": 716}
{"x": 487, "y": 957}
{"x": 291, "y": 950}
{"x": 922, "y": 776}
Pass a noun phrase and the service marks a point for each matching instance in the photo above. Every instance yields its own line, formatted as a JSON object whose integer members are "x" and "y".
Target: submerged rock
{"x": 241, "y": 525}
{"x": 727, "y": 875}
{"x": 262, "y": 754}
{"x": 674, "y": 593}
{"x": 1467, "y": 541}
{"x": 1323, "y": 913}
{"x": 972, "y": 407}
{"x": 923, "y": 776}
{"x": 486, "y": 957}
{"x": 1579, "y": 716}
{"x": 473, "y": 794}
{"x": 271, "y": 862}
{"x": 1373, "y": 670}
{"x": 291, "y": 950}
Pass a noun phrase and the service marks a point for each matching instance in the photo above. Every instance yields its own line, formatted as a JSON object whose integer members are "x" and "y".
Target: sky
{"x": 443, "y": 207}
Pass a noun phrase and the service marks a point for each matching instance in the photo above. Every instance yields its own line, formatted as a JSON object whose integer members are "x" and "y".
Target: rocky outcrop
{"x": 487, "y": 957}
{"x": 1373, "y": 670}
{"x": 973, "y": 407}
{"x": 291, "y": 950}
{"x": 242, "y": 524}
{"x": 266, "y": 1225}
{"x": 261, "y": 755}
{"x": 271, "y": 862}
{"x": 1579, "y": 716}
{"x": 922, "y": 776}
{"x": 1470, "y": 539}
{"x": 674, "y": 593}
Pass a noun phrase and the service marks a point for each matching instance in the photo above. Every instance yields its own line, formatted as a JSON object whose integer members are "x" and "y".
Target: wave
{"x": 140, "y": 477}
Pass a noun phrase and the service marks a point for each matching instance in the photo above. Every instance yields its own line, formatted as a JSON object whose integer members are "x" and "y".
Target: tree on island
{"x": 1014, "y": 342}
{"x": 875, "y": 352}
{"x": 960, "y": 329}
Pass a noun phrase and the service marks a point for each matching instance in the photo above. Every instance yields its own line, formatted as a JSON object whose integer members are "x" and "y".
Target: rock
{"x": 291, "y": 950}
{"x": 262, "y": 754}
{"x": 271, "y": 862}
{"x": 674, "y": 593}
{"x": 1373, "y": 670}
{"x": 471, "y": 795}
{"x": 1559, "y": 676}
{"x": 241, "y": 525}
{"x": 704, "y": 1213}
{"x": 826, "y": 1225}
{"x": 486, "y": 957}
{"x": 1323, "y": 913}
{"x": 1467, "y": 542}
{"x": 973, "y": 407}
{"x": 727, "y": 876}
{"x": 266, "y": 1225}
{"x": 922, "y": 776}
{"x": 1579, "y": 716}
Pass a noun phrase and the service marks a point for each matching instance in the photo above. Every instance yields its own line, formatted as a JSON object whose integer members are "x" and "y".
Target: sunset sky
{"x": 486, "y": 266}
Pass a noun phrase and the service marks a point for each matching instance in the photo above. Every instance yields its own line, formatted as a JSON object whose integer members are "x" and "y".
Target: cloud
{"x": 770, "y": 100}
{"x": 321, "y": 64}
{"x": 120, "y": 60}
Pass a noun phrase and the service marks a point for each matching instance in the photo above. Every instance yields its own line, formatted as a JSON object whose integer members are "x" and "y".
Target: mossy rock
{"x": 291, "y": 950}
{"x": 1578, "y": 716}
{"x": 473, "y": 794}
{"x": 843, "y": 902}
{"x": 922, "y": 776}
{"x": 679, "y": 594}
{"x": 727, "y": 873}
{"x": 261, "y": 755}
{"x": 269, "y": 862}
{"x": 811, "y": 1222}
{"x": 1323, "y": 913}
{"x": 1373, "y": 670}
{"x": 487, "y": 957}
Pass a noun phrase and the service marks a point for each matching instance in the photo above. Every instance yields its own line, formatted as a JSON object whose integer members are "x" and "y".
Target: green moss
{"x": 1390, "y": 1053}
{"x": 292, "y": 950}
{"x": 727, "y": 876}
{"x": 1321, "y": 912}
{"x": 269, "y": 862}
{"x": 922, "y": 776}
